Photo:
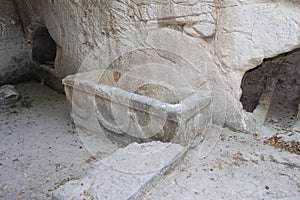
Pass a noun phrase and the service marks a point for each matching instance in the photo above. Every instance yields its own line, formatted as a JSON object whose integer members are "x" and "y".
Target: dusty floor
{"x": 38, "y": 146}
{"x": 39, "y": 150}
{"x": 239, "y": 166}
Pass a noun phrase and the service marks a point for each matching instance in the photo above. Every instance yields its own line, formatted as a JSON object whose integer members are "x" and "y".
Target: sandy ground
{"x": 39, "y": 150}
{"x": 38, "y": 146}
{"x": 239, "y": 166}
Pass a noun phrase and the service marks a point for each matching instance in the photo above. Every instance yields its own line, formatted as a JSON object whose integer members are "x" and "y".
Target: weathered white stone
{"x": 256, "y": 31}
{"x": 238, "y": 35}
{"x": 246, "y": 34}
{"x": 205, "y": 30}
{"x": 77, "y": 33}
{"x": 190, "y": 31}
{"x": 8, "y": 95}
{"x": 126, "y": 174}
{"x": 171, "y": 111}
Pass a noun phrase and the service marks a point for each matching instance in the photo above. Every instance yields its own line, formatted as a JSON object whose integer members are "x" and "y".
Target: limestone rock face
{"x": 80, "y": 26}
{"x": 15, "y": 64}
{"x": 232, "y": 37}
{"x": 248, "y": 32}
{"x": 256, "y": 31}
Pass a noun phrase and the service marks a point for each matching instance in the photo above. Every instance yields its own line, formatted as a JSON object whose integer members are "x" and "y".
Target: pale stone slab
{"x": 126, "y": 174}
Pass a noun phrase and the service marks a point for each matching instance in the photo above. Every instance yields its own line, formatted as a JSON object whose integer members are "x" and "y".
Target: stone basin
{"x": 136, "y": 108}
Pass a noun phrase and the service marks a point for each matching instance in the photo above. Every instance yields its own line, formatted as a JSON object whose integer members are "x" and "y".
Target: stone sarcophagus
{"x": 137, "y": 108}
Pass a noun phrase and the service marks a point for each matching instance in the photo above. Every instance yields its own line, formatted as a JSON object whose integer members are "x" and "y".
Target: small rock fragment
{"x": 8, "y": 95}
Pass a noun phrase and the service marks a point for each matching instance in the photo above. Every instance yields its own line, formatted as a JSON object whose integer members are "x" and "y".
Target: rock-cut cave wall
{"x": 275, "y": 83}
{"x": 221, "y": 39}
{"x": 15, "y": 64}
{"x": 247, "y": 33}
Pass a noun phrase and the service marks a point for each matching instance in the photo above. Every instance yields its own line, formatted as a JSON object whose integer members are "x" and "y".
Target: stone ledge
{"x": 126, "y": 174}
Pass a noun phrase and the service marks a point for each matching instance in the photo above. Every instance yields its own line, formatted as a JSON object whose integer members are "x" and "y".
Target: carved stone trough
{"x": 137, "y": 109}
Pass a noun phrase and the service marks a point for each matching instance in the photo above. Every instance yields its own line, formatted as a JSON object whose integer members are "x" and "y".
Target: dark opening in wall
{"x": 278, "y": 78}
{"x": 254, "y": 84}
{"x": 43, "y": 46}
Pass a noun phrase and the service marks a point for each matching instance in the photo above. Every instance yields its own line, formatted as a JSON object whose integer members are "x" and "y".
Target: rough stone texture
{"x": 8, "y": 95}
{"x": 126, "y": 174}
{"x": 15, "y": 64}
{"x": 296, "y": 127}
{"x": 78, "y": 27}
{"x": 126, "y": 109}
{"x": 275, "y": 75}
{"x": 239, "y": 166}
{"x": 248, "y": 32}
{"x": 286, "y": 96}
{"x": 231, "y": 37}
{"x": 272, "y": 90}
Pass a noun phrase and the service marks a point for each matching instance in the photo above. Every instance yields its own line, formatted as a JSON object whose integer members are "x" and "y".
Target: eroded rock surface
{"x": 126, "y": 174}
{"x": 15, "y": 64}
{"x": 233, "y": 37}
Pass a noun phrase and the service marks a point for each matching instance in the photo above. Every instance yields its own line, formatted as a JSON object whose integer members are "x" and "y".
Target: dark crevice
{"x": 279, "y": 79}
{"x": 43, "y": 46}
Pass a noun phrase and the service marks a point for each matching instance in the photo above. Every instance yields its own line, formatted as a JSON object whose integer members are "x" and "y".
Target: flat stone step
{"x": 127, "y": 174}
